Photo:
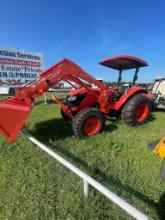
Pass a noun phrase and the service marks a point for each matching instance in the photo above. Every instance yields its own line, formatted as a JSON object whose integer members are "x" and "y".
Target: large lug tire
{"x": 88, "y": 122}
{"x": 137, "y": 110}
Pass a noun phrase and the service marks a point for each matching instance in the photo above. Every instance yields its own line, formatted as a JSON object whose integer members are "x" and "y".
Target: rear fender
{"x": 128, "y": 95}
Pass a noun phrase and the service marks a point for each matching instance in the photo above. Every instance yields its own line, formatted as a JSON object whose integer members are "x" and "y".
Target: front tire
{"x": 137, "y": 110}
{"x": 88, "y": 122}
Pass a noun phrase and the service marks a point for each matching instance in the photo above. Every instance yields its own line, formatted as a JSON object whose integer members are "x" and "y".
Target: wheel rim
{"x": 142, "y": 112}
{"x": 91, "y": 126}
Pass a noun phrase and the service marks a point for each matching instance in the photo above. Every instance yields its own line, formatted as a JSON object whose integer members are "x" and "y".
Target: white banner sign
{"x": 18, "y": 67}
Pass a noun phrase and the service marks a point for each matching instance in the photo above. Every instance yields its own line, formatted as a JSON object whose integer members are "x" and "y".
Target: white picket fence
{"x": 90, "y": 181}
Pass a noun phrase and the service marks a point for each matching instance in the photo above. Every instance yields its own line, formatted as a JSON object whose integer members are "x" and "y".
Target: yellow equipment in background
{"x": 158, "y": 148}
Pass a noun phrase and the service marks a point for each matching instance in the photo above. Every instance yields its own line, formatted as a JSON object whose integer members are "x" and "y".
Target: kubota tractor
{"x": 87, "y": 107}
{"x": 133, "y": 103}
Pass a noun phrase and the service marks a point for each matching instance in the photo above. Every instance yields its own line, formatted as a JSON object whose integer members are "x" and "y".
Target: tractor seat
{"x": 119, "y": 92}
{"x": 116, "y": 95}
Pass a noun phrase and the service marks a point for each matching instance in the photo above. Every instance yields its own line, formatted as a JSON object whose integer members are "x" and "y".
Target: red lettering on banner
{"x": 19, "y": 62}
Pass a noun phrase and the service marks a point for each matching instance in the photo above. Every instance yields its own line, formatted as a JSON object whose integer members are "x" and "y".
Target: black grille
{"x": 79, "y": 98}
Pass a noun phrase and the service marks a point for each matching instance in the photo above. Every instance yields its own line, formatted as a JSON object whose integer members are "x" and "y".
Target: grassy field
{"x": 34, "y": 186}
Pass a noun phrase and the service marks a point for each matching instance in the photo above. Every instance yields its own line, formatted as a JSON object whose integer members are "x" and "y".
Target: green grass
{"x": 35, "y": 186}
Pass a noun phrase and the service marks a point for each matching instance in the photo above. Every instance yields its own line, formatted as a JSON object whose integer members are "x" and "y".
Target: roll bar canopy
{"x": 123, "y": 62}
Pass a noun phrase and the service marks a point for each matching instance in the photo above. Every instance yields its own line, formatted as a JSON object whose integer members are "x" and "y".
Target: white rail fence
{"x": 92, "y": 182}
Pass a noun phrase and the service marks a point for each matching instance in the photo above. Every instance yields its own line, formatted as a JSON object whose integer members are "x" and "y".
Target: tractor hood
{"x": 81, "y": 91}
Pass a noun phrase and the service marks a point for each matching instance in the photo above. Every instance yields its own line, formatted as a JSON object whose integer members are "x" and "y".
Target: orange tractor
{"x": 87, "y": 107}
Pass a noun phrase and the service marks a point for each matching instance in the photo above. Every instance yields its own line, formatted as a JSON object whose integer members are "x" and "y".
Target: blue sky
{"x": 87, "y": 31}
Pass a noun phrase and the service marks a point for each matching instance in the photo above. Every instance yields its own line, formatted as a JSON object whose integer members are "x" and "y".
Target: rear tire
{"x": 137, "y": 110}
{"x": 88, "y": 122}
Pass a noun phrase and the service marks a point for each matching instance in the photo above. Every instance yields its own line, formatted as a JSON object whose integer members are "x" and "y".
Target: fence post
{"x": 45, "y": 99}
{"x": 86, "y": 188}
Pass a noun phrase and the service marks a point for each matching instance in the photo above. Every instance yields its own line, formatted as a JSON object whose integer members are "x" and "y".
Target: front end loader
{"x": 15, "y": 110}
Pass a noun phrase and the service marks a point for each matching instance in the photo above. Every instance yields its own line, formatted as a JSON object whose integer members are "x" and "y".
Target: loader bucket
{"x": 13, "y": 115}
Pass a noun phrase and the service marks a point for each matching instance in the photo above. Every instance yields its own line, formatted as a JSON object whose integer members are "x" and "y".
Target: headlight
{"x": 72, "y": 98}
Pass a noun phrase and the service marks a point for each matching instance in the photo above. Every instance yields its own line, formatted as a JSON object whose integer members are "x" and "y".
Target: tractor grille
{"x": 77, "y": 101}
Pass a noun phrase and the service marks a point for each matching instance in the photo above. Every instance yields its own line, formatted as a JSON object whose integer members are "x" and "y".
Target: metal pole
{"x": 45, "y": 99}
{"x": 86, "y": 188}
{"x": 110, "y": 195}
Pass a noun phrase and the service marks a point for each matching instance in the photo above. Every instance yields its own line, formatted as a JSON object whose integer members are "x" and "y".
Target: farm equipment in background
{"x": 87, "y": 107}
{"x": 158, "y": 92}
{"x": 158, "y": 148}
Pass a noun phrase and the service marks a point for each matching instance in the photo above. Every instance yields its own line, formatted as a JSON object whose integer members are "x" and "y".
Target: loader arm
{"x": 14, "y": 111}
{"x": 62, "y": 70}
